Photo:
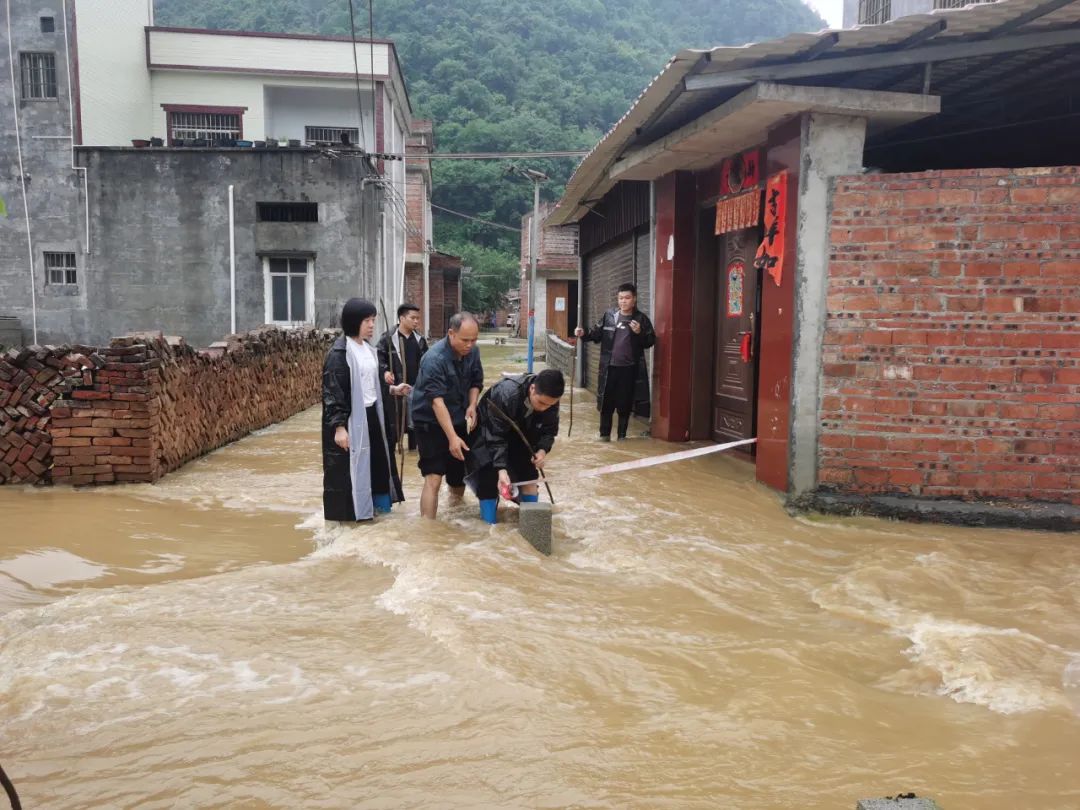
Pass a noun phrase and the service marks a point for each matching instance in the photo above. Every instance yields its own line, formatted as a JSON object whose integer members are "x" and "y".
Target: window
{"x": 207, "y": 126}
{"x": 344, "y": 135}
{"x": 38, "y": 75}
{"x": 957, "y": 3}
{"x": 48, "y": 25}
{"x": 874, "y": 12}
{"x": 60, "y": 269}
{"x": 287, "y": 212}
{"x": 290, "y": 290}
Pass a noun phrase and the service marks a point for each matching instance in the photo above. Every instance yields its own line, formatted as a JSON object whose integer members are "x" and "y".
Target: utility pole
{"x": 537, "y": 177}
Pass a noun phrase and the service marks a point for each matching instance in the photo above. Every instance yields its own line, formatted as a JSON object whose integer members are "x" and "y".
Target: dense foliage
{"x": 501, "y": 75}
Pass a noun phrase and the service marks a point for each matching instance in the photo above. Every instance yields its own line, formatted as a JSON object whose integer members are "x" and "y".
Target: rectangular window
{"x": 60, "y": 269}
{"x": 38, "y": 75}
{"x": 874, "y": 12}
{"x": 286, "y": 212}
{"x": 348, "y": 136}
{"x": 290, "y": 287}
{"x": 958, "y": 3}
{"x": 48, "y": 25}
{"x": 206, "y": 126}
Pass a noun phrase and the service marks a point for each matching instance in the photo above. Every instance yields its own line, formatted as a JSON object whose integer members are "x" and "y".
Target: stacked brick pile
{"x": 101, "y": 429}
{"x": 212, "y": 397}
{"x": 31, "y": 380}
{"x": 147, "y": 404}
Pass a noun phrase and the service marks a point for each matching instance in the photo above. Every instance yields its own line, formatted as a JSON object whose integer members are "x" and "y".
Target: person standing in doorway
{"x": 400, "y": 352}
{"x": 359, "y": 478}
{"x": 443, "y": 405}
{"x": 624, "y": 333}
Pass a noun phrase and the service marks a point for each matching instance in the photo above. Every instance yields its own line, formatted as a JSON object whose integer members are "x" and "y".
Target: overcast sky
{"x": 831, "y": 10}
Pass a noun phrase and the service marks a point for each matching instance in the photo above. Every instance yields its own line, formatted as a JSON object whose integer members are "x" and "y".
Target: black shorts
{"x": 434, "y": 451}
{"x": 520, "y": 467}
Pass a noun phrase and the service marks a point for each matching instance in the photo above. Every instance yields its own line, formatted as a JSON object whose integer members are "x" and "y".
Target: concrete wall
{"x": 273, "y": 54}
{"x": 161, "y": 241}
{"x": 290, "y": 109}
{"x": 951, "y": 354}
{"x": 114, "y": 84}
{"x": 52, "y": 187}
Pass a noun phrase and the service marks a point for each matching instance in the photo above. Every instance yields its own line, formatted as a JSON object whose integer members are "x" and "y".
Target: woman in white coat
{"x": 359, "y": 478}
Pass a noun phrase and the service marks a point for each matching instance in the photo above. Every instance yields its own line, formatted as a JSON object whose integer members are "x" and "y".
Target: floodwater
{"x": 207, "y": 642}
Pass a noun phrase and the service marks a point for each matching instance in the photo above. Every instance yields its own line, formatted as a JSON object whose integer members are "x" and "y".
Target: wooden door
{"x": 558, "y": 307}
{"x": 735, "y": 373}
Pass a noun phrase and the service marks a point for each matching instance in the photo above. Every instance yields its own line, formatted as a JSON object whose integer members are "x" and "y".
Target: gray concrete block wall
{"x": 53, "y": 187}
{"x": 159, "y": 230}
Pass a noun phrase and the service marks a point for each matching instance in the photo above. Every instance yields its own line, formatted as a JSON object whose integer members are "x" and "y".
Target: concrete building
{"x": 556, "y": 275}
{"x": 876, "y": 12}
{"x": 91, "y": 76}
{"x": 881, "y": 295}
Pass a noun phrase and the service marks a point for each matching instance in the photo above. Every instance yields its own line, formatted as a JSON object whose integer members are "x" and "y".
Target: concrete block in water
{"x": 897, "y": 804}
{"x": 534, "y": 523}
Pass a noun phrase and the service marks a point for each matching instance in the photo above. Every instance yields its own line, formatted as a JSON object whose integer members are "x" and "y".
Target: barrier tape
{"x": 652, "y": 461}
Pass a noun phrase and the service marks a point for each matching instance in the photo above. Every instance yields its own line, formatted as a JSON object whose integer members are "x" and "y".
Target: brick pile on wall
{"x": 31, "y": 380}
{"x": 951, "y": 363}
{"x": 147, "y": 404}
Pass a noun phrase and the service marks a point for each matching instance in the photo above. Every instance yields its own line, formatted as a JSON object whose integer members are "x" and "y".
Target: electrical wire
{"x": 477, "y": 219}
{"x": 356, "y": 75}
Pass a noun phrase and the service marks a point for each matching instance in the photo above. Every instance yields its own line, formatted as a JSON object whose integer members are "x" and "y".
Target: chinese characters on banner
{"x": 739, "y": 205}
{"x": 770, "y": 254}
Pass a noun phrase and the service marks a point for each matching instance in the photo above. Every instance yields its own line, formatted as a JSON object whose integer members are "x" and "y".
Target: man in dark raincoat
{"x": 359, "y": 477}
{"x": 499, "y": 457}
{"x": 624, "y": 333}
{"x": 400, "y": 352}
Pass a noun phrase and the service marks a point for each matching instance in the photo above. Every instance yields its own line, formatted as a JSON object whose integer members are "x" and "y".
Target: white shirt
{"x": 368, "y": 363}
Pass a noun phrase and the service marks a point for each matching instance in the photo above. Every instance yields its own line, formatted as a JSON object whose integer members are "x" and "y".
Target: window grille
{"x": 212, "y": 127}
{"x": 60, "y": 268}
{"x": 332, "y": 135}
{"x": 874, "y": 12}
{"x": 958, "y": 3}
{"x": 38, "y": 75}
{"x": 289, "y": 287}
{"x": 48, "y": 25}
{"x": 287, "y": 212}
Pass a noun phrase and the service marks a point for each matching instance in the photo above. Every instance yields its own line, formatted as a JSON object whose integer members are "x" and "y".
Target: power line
{"x": 356, "y": 74}
{"x": 477, "y": 219}
{"x": 564, "y": 153}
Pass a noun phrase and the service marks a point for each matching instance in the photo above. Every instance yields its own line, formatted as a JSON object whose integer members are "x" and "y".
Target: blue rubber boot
{"x": 489, "y": 509}
{"x": 530, "y": 498}
{"x": 382, "y": 503}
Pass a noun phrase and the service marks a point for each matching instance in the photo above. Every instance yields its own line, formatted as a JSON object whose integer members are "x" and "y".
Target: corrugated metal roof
{"x": 665, "y": 105}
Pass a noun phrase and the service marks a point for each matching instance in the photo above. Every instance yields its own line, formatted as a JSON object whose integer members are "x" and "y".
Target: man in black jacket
{"x": 499, "y": 456}
{"x": 624, "y": 333}
{"x": 400, "y": 351}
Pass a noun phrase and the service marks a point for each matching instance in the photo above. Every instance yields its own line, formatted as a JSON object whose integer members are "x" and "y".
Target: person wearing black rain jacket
{"x": 624, "y": 333}
{"x": 359, "y": 477}
{"x": 499, "y": 456}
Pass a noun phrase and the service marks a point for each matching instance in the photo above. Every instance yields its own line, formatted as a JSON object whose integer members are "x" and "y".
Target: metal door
{"x": 735, "y": 371}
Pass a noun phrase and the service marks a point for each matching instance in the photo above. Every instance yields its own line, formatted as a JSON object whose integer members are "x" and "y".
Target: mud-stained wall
{"x": 147, "y": 404}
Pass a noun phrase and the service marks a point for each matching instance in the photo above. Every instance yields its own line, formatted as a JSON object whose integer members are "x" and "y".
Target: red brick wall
{"x": 951, "y": 362}
{"x": 414, "y": 288}
{"x": 439, "y": 315}
{"x": 415, "y": 201}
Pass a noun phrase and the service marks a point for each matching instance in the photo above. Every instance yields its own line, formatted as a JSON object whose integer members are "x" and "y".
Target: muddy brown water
{"x": 208, "y": 642}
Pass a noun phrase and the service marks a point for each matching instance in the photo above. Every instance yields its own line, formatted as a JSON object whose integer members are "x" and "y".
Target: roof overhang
{"x": 744, "y": 121}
